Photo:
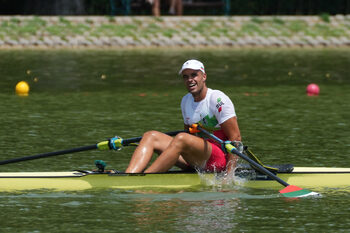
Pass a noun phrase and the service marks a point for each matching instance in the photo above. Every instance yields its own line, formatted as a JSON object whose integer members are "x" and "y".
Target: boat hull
{"x": 306, "y": 177}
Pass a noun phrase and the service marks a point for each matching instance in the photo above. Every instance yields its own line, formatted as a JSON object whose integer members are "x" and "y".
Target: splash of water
{"x": 220, "y": 180}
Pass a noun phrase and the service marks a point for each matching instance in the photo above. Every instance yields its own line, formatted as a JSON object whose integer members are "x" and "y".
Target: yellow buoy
{"x": 22, "y": 88}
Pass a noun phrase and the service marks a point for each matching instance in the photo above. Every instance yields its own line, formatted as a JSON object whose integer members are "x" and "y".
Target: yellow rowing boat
{"x": 308, "y": 177}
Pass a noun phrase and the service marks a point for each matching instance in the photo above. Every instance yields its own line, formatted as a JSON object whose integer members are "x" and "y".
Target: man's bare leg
{"x": 194, "y": 150}
{"x": 150, "y": 142}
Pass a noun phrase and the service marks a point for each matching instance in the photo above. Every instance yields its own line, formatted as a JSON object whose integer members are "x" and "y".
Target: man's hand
{"x": 237, "y": 144}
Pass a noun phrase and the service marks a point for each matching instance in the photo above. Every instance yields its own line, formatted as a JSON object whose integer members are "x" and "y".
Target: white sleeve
{"x": 221, "y": 106}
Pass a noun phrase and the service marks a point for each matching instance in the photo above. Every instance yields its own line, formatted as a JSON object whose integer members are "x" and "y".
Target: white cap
{"x": 194, "y": 65}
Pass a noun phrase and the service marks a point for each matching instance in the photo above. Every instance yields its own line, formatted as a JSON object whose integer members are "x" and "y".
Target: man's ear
{"x": 205, "y": 76}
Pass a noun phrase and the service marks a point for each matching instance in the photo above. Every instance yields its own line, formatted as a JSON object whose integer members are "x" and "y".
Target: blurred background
{"x": 77, "y": 72}
{"x": 189, "y": 7}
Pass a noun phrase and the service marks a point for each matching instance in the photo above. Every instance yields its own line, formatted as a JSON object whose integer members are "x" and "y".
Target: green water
{"x": 79, "y": 98}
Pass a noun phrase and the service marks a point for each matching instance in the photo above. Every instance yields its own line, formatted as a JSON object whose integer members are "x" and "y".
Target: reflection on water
{"x": 198, "y": 196}
{"x": 187, "y": 216}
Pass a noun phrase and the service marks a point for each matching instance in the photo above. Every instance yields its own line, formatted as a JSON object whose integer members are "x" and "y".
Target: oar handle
{"x": 230, "y": 148}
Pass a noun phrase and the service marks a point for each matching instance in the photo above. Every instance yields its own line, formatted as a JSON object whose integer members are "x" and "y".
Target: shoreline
{"x": 82, "y": 32}
{"x": 184, "y": 48}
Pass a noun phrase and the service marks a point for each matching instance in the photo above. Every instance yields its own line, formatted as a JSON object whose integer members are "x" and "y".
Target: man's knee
{"x": 181, "y": 137}
{"x": 152, "y": 134}
{"x": 181, "y": 140}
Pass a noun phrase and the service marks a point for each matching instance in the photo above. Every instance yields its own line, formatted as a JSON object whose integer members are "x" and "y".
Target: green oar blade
{"x": 292, "y": 191}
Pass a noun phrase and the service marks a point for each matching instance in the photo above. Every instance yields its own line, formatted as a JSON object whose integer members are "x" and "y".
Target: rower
{"x": 213, "y": 110}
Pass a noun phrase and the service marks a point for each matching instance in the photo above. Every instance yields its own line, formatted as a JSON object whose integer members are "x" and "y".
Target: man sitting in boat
{"x": 213, "y": 110}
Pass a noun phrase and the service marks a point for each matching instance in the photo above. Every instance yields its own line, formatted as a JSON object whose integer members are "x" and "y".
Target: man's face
{"x": 194, "y": 80}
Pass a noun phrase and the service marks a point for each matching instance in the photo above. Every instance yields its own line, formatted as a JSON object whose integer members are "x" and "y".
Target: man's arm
{"x": 231, "y": 130}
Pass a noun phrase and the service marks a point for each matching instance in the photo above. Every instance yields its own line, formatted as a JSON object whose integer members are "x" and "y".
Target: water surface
{"x": 82, "y": 97}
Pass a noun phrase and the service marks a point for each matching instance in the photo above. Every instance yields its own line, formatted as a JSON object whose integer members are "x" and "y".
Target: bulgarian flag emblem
{"x": 294, "y": 191}
{"x": 219, "y": 104}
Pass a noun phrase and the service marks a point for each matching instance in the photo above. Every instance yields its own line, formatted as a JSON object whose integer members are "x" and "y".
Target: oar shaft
{"x": 49, "y": 154}
{"x": 243, "y": 156}
{"x": 102, "y": 146}
{"x": 260, "y": 168}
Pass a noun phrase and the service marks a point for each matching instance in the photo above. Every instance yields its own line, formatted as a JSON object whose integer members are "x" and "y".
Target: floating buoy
{"x": 22, "y": 88}
{"x": 312, "y": 89}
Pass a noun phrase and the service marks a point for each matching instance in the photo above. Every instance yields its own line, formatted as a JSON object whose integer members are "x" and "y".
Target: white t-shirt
{"x": 210, "y": 112}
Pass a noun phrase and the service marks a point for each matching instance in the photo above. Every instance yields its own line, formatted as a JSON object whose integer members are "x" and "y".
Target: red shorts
{"x": 217, "y": 161}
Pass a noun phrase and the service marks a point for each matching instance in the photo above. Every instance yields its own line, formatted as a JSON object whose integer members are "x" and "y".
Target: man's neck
{"x": 201, "y": 95}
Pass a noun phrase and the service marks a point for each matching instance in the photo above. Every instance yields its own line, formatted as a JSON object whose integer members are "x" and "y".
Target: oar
{"x": 104, "y": 145}
{"x": 288, "y": 191}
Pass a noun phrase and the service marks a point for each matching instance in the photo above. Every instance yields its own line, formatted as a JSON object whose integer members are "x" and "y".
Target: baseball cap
{"x": 192, "y": 64}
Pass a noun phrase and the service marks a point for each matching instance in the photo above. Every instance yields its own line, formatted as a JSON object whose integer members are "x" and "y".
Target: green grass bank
{"x": 187, "y": 31}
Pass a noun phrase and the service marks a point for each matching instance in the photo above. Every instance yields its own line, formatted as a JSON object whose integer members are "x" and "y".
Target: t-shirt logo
{"x": 219, "y": 104}
{"x": 209, "y": 122}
